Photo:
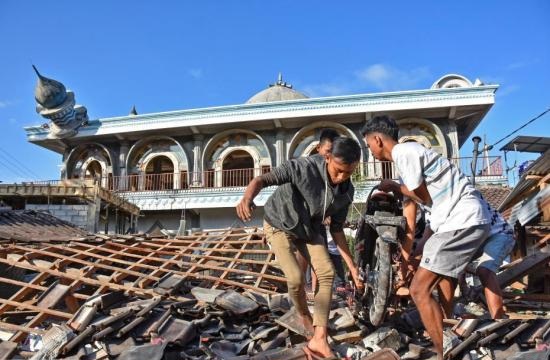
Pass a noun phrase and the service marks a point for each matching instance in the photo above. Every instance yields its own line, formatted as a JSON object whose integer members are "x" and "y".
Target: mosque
{"x": 187, "y": 169}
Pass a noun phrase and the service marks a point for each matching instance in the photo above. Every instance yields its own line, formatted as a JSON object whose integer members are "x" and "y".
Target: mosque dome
{"x": 280, "y": 91}
{"x": 49, "y": 93}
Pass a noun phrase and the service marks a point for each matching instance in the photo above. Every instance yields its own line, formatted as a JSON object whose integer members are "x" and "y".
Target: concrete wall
{"x": 169, "y": 219}
{"x": 226, "y": 217}
{"x": 75, "y": 214}
{"x": 208, "y": 219}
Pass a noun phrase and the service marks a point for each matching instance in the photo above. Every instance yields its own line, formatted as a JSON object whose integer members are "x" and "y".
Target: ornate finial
{"x": 48, "y": 92}
{"x": 36, "y": 71}
{"x": 56, "y": 103}
{"x": 133, "y": 111}
{"x": 280, "y": 82}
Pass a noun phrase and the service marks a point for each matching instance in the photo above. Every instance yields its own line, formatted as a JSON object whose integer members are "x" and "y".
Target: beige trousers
{"x": 283, "y": 245}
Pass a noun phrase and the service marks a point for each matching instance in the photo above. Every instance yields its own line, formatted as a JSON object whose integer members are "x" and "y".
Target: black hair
{"x": 328, "y": 135}
{"x": 382, "y": 124}
{"x": 346, "y": 149}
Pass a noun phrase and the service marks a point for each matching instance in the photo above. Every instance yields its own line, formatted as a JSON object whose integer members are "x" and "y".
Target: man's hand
{"x": 245, "y": 208}
{"x": 388, "y": 185}
{"x": 356, "y": 279}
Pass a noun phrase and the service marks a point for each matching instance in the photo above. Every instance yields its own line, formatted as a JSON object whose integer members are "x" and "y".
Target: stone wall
{"x": 75, "y": 214}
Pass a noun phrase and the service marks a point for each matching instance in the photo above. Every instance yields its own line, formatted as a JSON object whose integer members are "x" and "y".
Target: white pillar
{"x": 197, "y": 161}
{"x": 64, "y": 171}
{"x": 122, "y": 171}
{"x": 280, "y": 148}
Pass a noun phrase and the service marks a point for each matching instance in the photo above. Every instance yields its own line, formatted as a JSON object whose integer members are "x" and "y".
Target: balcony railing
{"x": 369, "y": 171}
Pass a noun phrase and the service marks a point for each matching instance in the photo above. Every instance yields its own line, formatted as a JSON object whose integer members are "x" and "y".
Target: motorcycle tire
{"x": 380, "y": 292}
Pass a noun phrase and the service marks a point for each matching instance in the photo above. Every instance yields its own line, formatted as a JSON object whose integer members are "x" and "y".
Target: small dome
{"x": 49, "y": 93}
{"x": 280, "y": 91}
{"x": 451, "y": 81}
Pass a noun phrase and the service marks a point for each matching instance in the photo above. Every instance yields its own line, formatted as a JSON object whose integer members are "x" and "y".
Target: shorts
{"x": 495, "y": 250}
{"x": 448, "y": 253}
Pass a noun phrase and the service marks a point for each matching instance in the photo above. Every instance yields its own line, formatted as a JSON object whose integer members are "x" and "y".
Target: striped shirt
{"x": 456, "y": 204}
{"x": 498, "y": 224}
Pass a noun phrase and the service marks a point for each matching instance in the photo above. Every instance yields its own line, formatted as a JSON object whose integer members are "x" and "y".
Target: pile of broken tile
{"x": 498, "y": 339}
{"x": 213, "y": 296}
{"x": 209, "y": 324}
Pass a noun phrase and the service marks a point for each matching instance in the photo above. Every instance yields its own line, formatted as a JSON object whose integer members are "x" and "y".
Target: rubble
{"x": 212, "y": 295}
{"x": 497, "y": 335}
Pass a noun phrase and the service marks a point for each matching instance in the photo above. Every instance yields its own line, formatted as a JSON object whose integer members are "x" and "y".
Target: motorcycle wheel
{"x": 379, "y": 293}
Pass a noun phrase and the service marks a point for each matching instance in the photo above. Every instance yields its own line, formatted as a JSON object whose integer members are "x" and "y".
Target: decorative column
{"x": 280, "y": 148}
{"x": 122, "y": 172}
{"x": 452, "y": 148}
{"x": 64, "y": 172}
{"x": 197, "y": 161}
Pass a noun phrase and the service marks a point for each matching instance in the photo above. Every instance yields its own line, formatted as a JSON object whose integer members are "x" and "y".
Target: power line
{"x": 19, "y": 165}
{"x": 12, "y": 170}
{"x": 524, "y": 125}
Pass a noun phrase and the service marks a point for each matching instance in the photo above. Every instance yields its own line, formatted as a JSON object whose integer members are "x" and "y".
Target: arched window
{"x": 157, "y": 163}
{"x": 233, "y": 158}
{"x": 305, "y": 141}
{"x": 159, "y": 173}
{"x": 90, "y": 161}
{"x": 93, "y": 170}
{"x": 238, "y": 168}
{"x": 423, "y": 132}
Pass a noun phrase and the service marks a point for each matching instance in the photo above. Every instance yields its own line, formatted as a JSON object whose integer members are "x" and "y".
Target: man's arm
{"x": 246, "y": 205}
{"x": 409, "y": 212}
{"x": 419, "y": 195}
{"x": 342, "y": 244}
{"x": 283, "y": 173}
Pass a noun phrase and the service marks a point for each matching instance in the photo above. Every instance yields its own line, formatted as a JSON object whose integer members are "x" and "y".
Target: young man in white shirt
{"x": 459, "y": 220}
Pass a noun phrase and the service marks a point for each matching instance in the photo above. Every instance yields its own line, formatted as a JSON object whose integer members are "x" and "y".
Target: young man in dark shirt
{"x": 310, "y": 189}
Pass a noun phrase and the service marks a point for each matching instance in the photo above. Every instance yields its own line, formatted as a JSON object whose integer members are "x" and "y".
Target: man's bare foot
{"x": 319, "y": 346}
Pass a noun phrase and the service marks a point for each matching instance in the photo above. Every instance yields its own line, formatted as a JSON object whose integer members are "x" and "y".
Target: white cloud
{"x": 385, "y": 77}
{"x": 5, "y": 103}
{"x": 195, "y": 73}
{"x": 12, "y": 120}
{"x": 380, "y": 77}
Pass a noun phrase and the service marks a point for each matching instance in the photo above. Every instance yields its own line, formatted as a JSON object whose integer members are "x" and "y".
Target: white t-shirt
{"x": 456, "y": 204}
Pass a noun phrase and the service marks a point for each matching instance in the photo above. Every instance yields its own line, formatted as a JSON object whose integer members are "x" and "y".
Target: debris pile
{"x": 214, "y": 295}
{"x": 498, "y": 339}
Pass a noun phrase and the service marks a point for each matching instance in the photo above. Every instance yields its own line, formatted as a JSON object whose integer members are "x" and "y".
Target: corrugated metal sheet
{"x": 540, "y": 167}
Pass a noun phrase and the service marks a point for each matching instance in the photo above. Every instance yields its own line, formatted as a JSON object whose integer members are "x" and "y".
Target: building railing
{"x": 368, "y": 171}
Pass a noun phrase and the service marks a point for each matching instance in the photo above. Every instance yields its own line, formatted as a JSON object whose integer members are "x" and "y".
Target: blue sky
{"x": 174, "y": 55}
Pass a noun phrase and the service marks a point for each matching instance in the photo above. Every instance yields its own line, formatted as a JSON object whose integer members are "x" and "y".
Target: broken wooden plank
{"x": 523, "y": 267}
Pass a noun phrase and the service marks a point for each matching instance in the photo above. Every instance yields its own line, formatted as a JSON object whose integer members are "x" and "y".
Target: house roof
{"x": 33, "y": 226}
{"x": 494, "y": 195}
{"x": 541, "y": 167}
{"x": 465, "y": 105}
{"x": 536, "y": 144}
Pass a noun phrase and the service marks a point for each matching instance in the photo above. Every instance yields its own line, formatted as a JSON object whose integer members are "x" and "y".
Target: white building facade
{"x": 194, "y": 164}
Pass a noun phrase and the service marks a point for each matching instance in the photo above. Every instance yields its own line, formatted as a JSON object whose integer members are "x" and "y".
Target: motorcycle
{"x": 377, "y": 240}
